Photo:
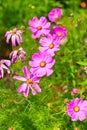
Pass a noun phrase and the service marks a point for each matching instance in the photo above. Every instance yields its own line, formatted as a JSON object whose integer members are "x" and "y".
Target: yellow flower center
{"x": 76, "y": 109}
{"x": 42, "y": 64}
{"x": 39, "y": 27}
{"x": 51, "y": 45}
{"x": 29, "y": 81}
{"x": 56, "y": 16}
{"x": 59, "y": 34}
{"x": 14, "y": 31}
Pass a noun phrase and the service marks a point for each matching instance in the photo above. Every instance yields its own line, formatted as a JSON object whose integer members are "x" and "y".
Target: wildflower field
{"x": 43, "y": 65}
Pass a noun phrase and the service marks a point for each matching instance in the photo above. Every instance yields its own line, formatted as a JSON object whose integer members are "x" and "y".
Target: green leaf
{"x": 83, "y": 83}
{"x": 82, "y": 63}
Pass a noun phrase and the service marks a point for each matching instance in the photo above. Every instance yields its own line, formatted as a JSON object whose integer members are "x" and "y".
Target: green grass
{"x": 46, "y": 110}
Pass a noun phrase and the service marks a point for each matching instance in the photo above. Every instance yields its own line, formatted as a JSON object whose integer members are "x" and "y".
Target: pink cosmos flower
{"x": 42, "y": 64}
{"x": 49, "y": 44}
{"x": 39, "y": 26}
{"x": 30, "y": 82}
{"x": 15, "y": 36}
{"x": 59, "y": 32}
{"x": 4, "y": 65}
{"x": 74, "y": 91}
{"x": 18, "y": 54}
{"x": 77, "y": 109}
{"x": 55, "y": 14}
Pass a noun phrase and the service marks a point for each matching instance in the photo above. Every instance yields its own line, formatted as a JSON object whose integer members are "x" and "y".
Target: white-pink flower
{"x": 15, "y": 36}
{"x": 18, "y": 54}
{"x": 39, "y": 27}
{"x": 30, "y": 82}
{"x": 41, "y": 64}
{"x": 4, "y": 65}
{"x": 49, "y": 44}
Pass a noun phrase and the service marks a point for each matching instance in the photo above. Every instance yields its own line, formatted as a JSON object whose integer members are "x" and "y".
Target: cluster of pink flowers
{"x": 42, "y": 62}
{"x": 14, "y": 36}
{"x": 40, "y": 27}
{"x": 50, "y": 38}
